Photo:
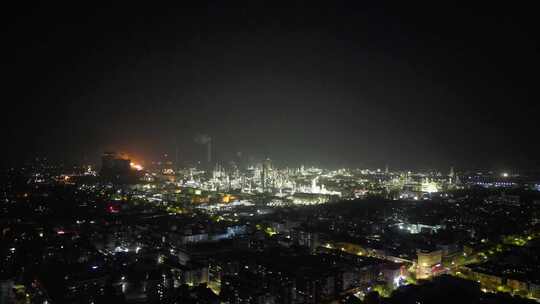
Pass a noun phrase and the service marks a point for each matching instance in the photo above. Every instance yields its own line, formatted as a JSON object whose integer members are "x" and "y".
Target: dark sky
{"x": 346, "y": 84}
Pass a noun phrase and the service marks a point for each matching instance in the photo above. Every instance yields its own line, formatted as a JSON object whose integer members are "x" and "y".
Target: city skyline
{"x": 120, "y": 232}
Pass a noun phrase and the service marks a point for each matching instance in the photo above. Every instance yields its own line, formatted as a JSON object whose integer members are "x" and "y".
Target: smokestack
{"x": 209, "y": 152}
{"x": 204, "y": 139}
{"x": 176, "y": 165}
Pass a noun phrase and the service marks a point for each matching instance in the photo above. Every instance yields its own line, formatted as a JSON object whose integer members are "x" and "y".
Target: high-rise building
{"x": 111, "y": 162}
{"x": 115, "y": 168}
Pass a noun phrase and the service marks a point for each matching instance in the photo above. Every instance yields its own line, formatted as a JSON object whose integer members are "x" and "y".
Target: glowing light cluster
{"x": 136, "y": 166}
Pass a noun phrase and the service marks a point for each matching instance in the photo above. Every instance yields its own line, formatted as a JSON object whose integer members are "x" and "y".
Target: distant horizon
{"x": 282, "y": 164}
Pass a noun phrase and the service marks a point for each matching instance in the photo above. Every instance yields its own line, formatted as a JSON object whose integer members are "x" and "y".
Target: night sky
{"x": 342, "y": 85}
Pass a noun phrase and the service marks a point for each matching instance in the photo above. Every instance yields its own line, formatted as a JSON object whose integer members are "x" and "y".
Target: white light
{"x": 136, "y": 166}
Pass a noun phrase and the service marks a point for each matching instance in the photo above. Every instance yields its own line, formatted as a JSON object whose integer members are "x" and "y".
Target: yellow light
{"x": 136, "y": 166}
